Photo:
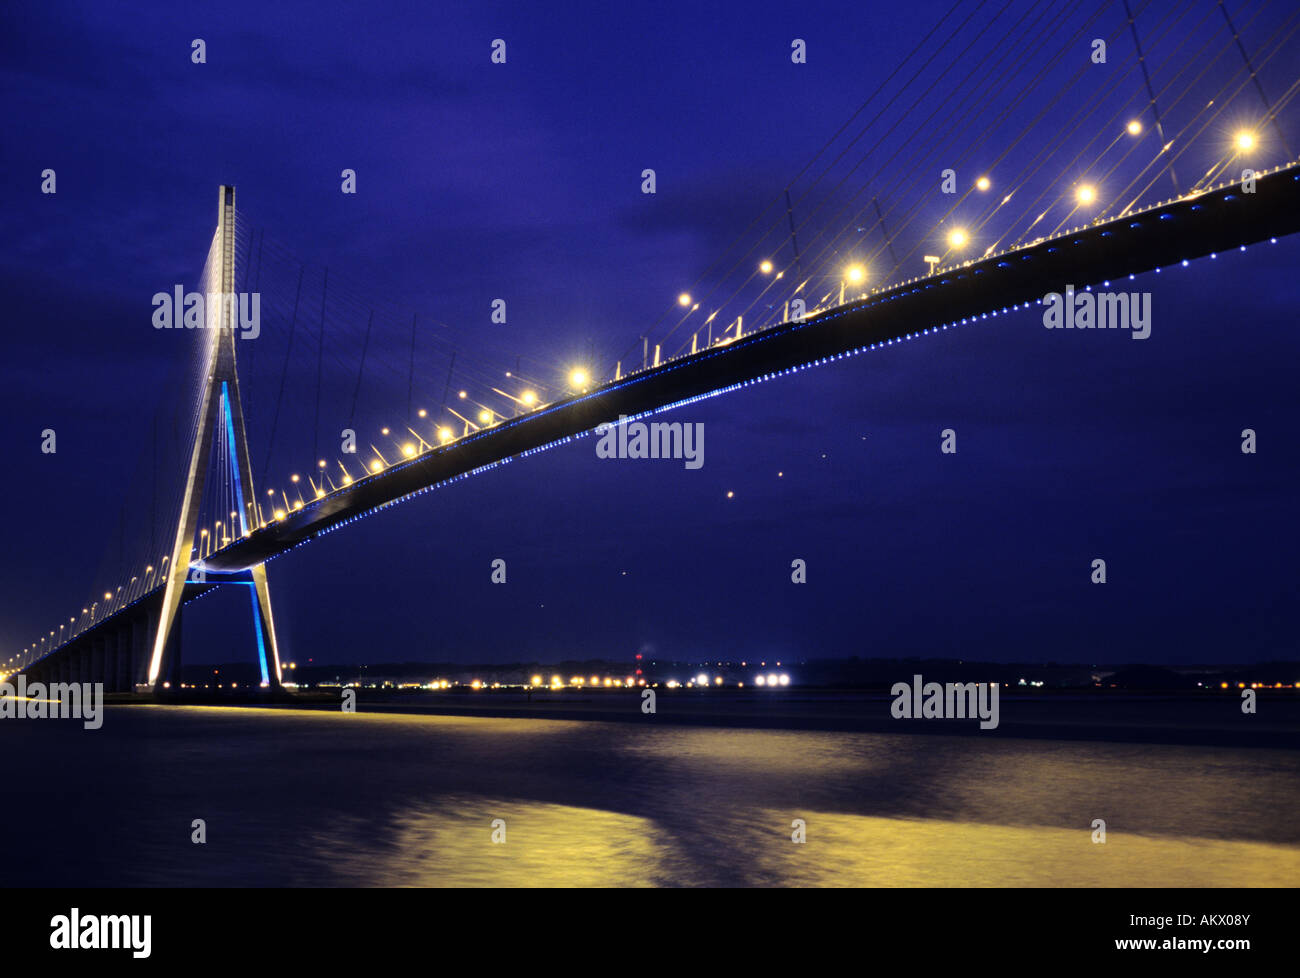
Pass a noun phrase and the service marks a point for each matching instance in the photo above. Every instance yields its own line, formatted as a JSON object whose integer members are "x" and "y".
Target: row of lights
{"x": 557, "y": 682}
{"x": 958, "y": 238}
{"x": 579, "y": 379}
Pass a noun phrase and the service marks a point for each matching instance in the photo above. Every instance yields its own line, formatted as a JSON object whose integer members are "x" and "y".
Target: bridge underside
{"x": 117, "y": 651}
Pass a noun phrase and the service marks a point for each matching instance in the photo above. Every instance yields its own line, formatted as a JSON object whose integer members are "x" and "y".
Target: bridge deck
{"x": 1185, "y": 229}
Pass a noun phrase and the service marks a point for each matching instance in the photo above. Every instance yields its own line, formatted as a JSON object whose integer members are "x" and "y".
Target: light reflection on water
{"x": 554, "y": 845}
{"x": 321, "y": 799}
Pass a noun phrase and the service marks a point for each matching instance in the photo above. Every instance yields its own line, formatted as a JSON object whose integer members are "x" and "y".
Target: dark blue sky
{"x": 522, "y": 181}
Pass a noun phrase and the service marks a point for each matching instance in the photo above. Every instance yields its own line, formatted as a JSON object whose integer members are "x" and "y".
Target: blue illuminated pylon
{"x": 220, "y": 415}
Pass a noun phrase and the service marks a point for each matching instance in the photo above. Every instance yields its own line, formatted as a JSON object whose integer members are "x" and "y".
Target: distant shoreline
{"x": 1204, "y": 719}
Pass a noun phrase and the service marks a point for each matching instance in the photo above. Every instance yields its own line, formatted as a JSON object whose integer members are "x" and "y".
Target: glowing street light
{"x": 579, "y": 377}
{"x": 485, "y": 417}
{"x": 684, "y": 299}
{"x": 408, "y": 450}
{"x": 376, "y": 465}
{"x": 1086, "y": 194}
{"x": 982, "y": 184}
{"x": 853, "y": 275}
{"x": 1244, "y": 141}
{"x": 765, "y": 267}
{"x": 957, "y": 238}
{"x": 445, "y": 435}
{"x": 529, "y": 398}
{"x": 1134, "y": 128}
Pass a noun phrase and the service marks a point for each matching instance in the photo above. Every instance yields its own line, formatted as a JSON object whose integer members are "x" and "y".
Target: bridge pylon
{"x": 221, "y": 414}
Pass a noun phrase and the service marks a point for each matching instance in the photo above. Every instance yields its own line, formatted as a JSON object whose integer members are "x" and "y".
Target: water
{"x": 306, "y": 798}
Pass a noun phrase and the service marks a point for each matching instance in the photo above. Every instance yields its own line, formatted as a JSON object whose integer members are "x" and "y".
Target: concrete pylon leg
{"x": 265, "y": 624}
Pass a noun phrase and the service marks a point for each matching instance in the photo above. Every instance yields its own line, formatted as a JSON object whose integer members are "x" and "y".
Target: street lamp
{"x": 853, "y": 275}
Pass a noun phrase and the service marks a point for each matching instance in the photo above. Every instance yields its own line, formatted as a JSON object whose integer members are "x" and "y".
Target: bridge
{"x": 129, "y": 638}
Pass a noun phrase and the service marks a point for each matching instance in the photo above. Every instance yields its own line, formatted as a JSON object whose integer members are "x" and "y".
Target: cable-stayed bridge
{"x": 819, "y": 276}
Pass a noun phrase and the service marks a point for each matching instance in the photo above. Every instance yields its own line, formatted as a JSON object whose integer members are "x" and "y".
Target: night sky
{"x": 522, "y": 181}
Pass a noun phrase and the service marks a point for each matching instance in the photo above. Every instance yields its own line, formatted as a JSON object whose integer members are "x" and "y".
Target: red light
{"x": 638, "y": 655}
{"x": 638, "y": 672}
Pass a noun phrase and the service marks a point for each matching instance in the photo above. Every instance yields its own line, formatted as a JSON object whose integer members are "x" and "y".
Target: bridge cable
{"x": 1254, "y": 76}
{"x": 270, "y": 443}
